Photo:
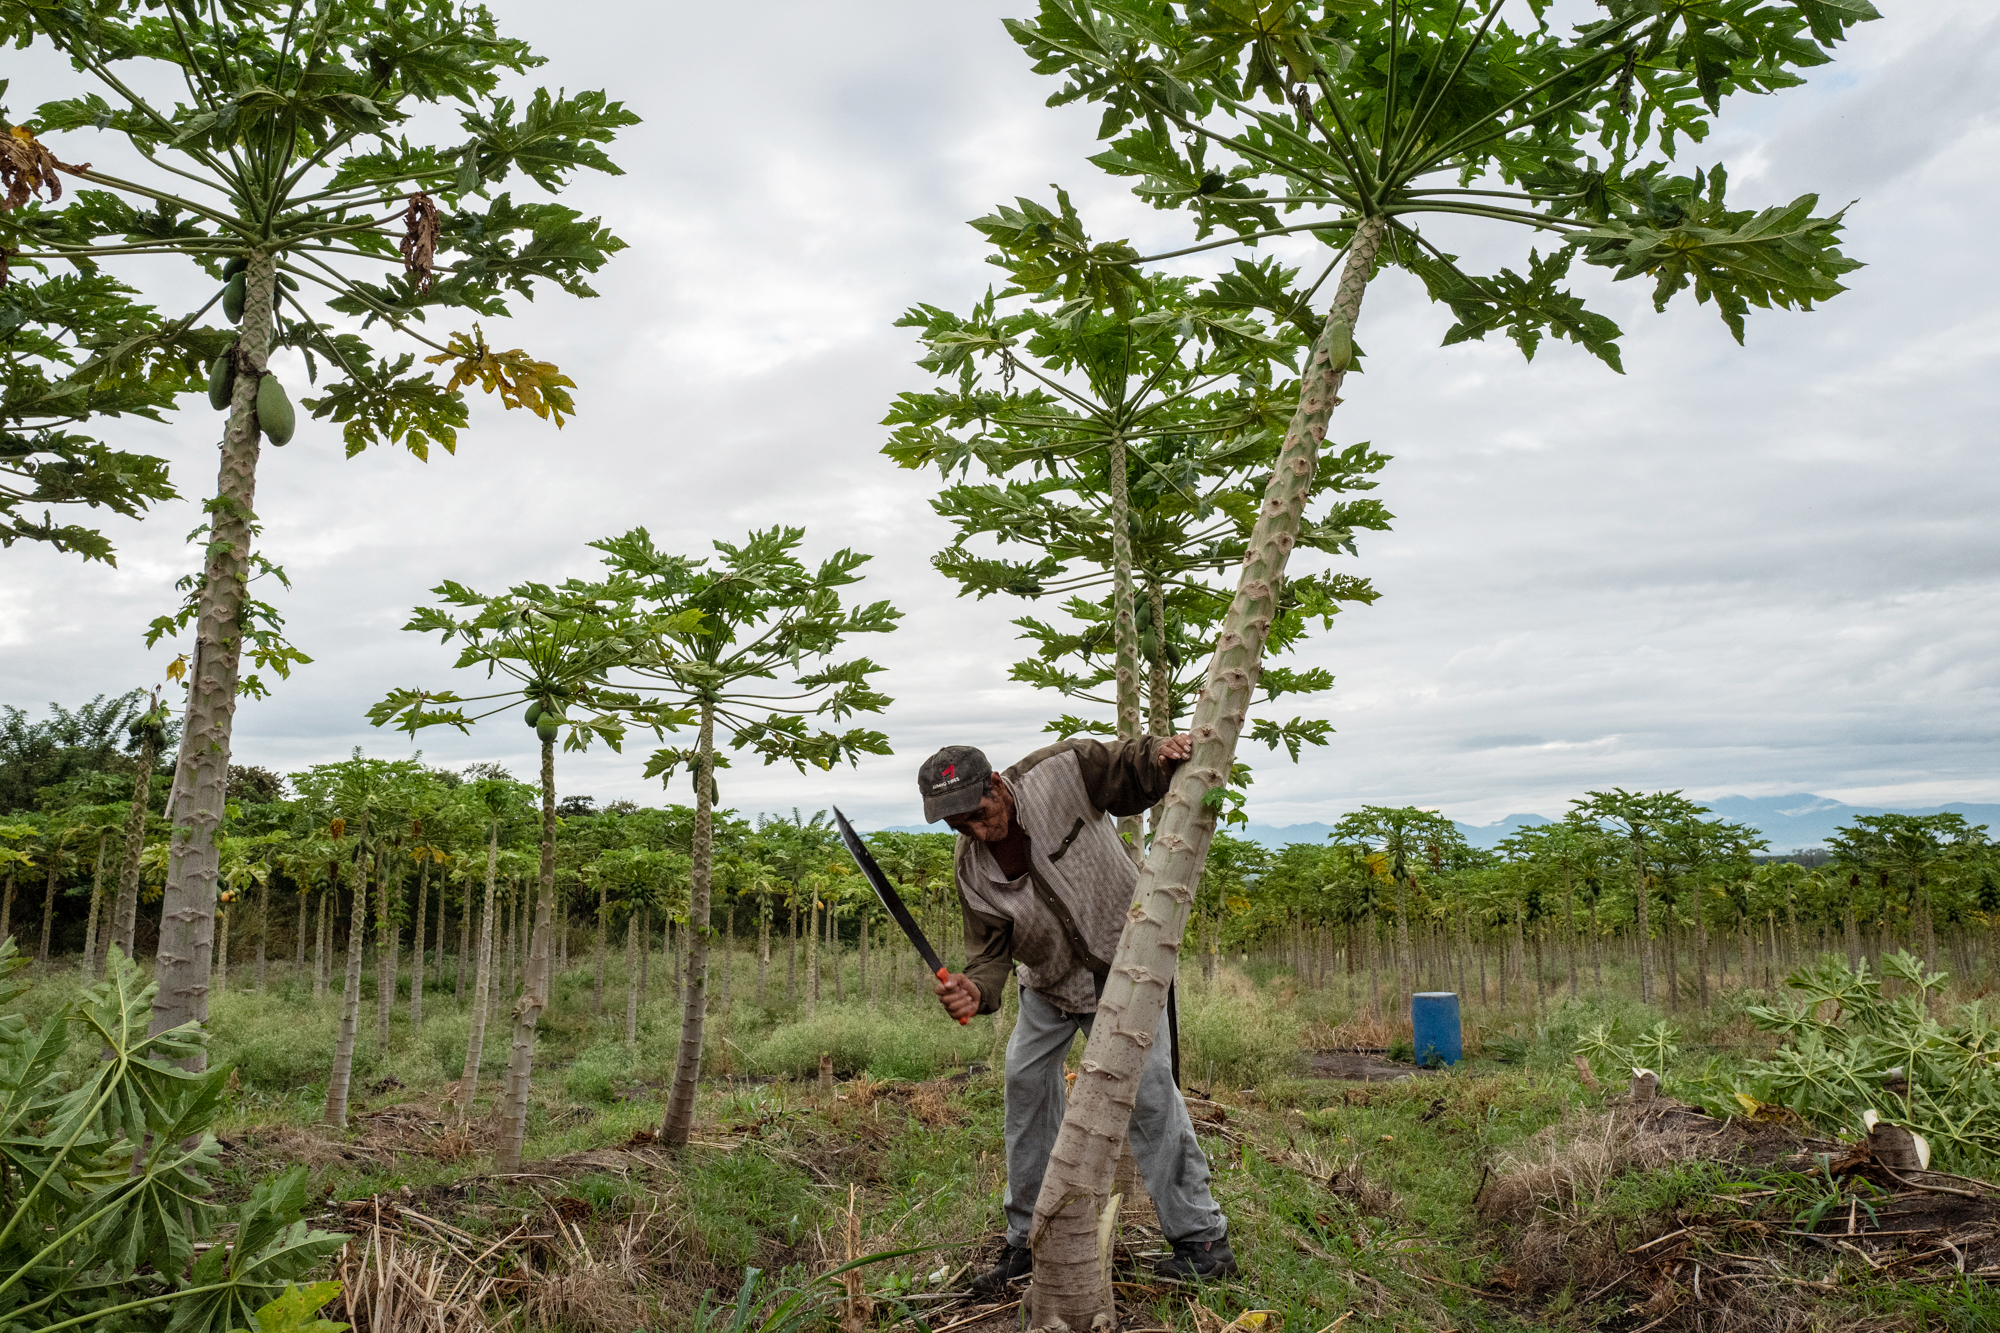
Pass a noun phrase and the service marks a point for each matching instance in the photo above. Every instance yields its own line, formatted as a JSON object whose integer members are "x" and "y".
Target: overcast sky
{"x": 1747, "y": 570}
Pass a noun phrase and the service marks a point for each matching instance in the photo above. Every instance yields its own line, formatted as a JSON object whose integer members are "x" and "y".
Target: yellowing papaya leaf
{"x": 178, "y": 668}
{"x": 519, "y": 379}
{"x": 28, "y": 167}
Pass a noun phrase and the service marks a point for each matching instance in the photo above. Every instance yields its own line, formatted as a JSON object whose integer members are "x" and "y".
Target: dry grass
{"x": 389, "y": 1286}
{"x": 1361, "y": 1031}
{"x": 1682, "y": 1267}
{"x": 930, "y": 1104}
{"x": 1564, "y": 1169}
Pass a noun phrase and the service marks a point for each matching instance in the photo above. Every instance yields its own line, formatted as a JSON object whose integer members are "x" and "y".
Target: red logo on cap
{"x": 950, "y": 770}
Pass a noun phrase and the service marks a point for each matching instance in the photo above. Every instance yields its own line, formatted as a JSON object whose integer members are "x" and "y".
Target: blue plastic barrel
{"x": 1434, "y": 1028}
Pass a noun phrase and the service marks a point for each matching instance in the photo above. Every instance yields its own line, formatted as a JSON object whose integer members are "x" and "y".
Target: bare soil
{"x": 1358, "y": 1067}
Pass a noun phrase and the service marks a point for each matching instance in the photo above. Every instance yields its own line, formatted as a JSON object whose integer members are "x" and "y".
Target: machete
{"x": 880, "y": 883}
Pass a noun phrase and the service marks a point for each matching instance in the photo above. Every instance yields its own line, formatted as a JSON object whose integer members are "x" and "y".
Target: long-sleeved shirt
{"x": 1060, "y": 921}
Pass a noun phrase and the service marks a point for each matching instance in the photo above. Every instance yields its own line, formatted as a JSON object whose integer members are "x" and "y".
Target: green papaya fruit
{"x": 235, "y": 266}
{"x": 274, "y": 410}
{"x": 232, "y": 299}
{"x": 549, "y": 728}
{"x": 290, "y": 283}
{"x": 1340, "y": 346}
{"x": 221, "y": 382}
{"x": 534, "y": 713}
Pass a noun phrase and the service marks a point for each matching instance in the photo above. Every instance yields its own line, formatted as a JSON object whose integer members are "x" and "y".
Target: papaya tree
{"x": 1639, "y": 818}
{"x": 359, "y": 801}
{"x": 56, "y": 383}
{"x": 553, "y": 647}
{"x": 495, "y": 806}
{"x": 289, "y": 179}
{"x": 1140, "y": 429}
{"x": 740, "y": 644}
{"x": 1374, "y": 118}
{"x": 1404, "y": 838}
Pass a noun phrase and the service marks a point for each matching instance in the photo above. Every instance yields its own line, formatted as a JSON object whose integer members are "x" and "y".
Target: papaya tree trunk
{"x": 679, "y": 1121}
{"x": 535, "y": 982}
{"x": 465, "y": 935}
{"x": 1406, "y": 959}
{"x": 631, "y": 979}
{"x": 833, "y": 948}
{"x": 1160, "y": 720}
{"x": 187, "y": 911}
{"x": 319, "y": 944}
{"x": 350, "y": 996}
{"x": 645, "y": 954}
{"x": 1072, "y": 1280}
{"x": 1124, "y": 624}
{"x": 388, "y": 948}
{"x": 1644, "y": 923}
{"x": 125, "y": 909}
{"x": 96, "y": 897}
{"x": 727, "y": 967}
{"x": 763, "y": 947}
{"x": 48, "y": 905}
{"x": 513, "y": 909}
{"x": 299, "y": 936}
{"x": 263, "y": 928}
{"x": 417, "y": 942}
{"x": 1701, "y": 948}
{"x": 221, "y": 949}
{"x": 1569, "y": 933}
{"x": 603, "y": 905}
{"x": 812, "y": 953}
{"x": 475, "y": 1037}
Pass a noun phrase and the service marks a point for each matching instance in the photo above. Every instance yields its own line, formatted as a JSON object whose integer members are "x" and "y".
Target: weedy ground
{"x": 1506, "y": 1194}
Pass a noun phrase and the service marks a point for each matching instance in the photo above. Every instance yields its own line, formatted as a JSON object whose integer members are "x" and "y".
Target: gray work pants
{"x": 1162, "y": 1136}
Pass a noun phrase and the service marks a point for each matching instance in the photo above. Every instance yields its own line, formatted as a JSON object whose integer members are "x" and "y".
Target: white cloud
{"x": 1764, "y": 569}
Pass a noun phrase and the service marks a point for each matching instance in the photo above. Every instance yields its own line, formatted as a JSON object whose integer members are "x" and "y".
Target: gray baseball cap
{"x": 953, "y": 782}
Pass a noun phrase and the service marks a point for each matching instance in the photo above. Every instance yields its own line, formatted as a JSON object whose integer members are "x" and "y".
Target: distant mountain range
{"x": 1792, "y": 823}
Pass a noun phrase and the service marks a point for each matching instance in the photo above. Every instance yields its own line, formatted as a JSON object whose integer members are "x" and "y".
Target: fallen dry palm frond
{"x": 593, "y": 1288}
{"x": 1761, "y": 1251}
{"x": 390, "y": 1287}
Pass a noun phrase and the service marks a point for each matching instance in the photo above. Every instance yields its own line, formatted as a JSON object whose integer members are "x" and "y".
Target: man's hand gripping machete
{"x": 880, "y": 883}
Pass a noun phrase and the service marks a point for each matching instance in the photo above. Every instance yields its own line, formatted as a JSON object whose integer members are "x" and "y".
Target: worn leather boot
{"x": 1014, "y": 1262}
{"x": 1198, "y": 1260}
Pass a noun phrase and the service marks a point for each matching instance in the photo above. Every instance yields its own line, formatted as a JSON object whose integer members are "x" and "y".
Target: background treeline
{"x": 1395, "y": 900}
{"x": 67, "y": 785}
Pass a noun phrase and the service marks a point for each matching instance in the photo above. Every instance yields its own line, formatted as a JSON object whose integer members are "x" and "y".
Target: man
{"x": 1045, "y": 882}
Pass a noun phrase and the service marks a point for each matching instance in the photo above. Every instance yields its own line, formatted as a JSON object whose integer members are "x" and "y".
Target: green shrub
{"x": 739, "y": 1200}
{"x": 597, "y": 1073}
{"x": 444, "y": 1038}
{"x": 1237, "y": 1038}
{"x": 1848, "y": 1048}
{"x": 277, "y": 1046}
{"x": 892, "y": 1042}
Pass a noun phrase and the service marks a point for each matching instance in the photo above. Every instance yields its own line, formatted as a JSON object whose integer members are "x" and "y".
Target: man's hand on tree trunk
{"x": 958, "y": 993}
{"x": 1174, "y": 749}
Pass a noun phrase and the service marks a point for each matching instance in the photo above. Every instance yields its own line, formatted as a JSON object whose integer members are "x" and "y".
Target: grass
{"x": 1342, "y": 1197}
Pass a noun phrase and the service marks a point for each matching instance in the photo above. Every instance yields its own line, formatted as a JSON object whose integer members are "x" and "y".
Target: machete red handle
{"x": 944, "y": 974}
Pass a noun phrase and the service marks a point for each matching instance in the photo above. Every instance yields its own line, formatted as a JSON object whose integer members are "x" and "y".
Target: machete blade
{"x": 890, "y": 899}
